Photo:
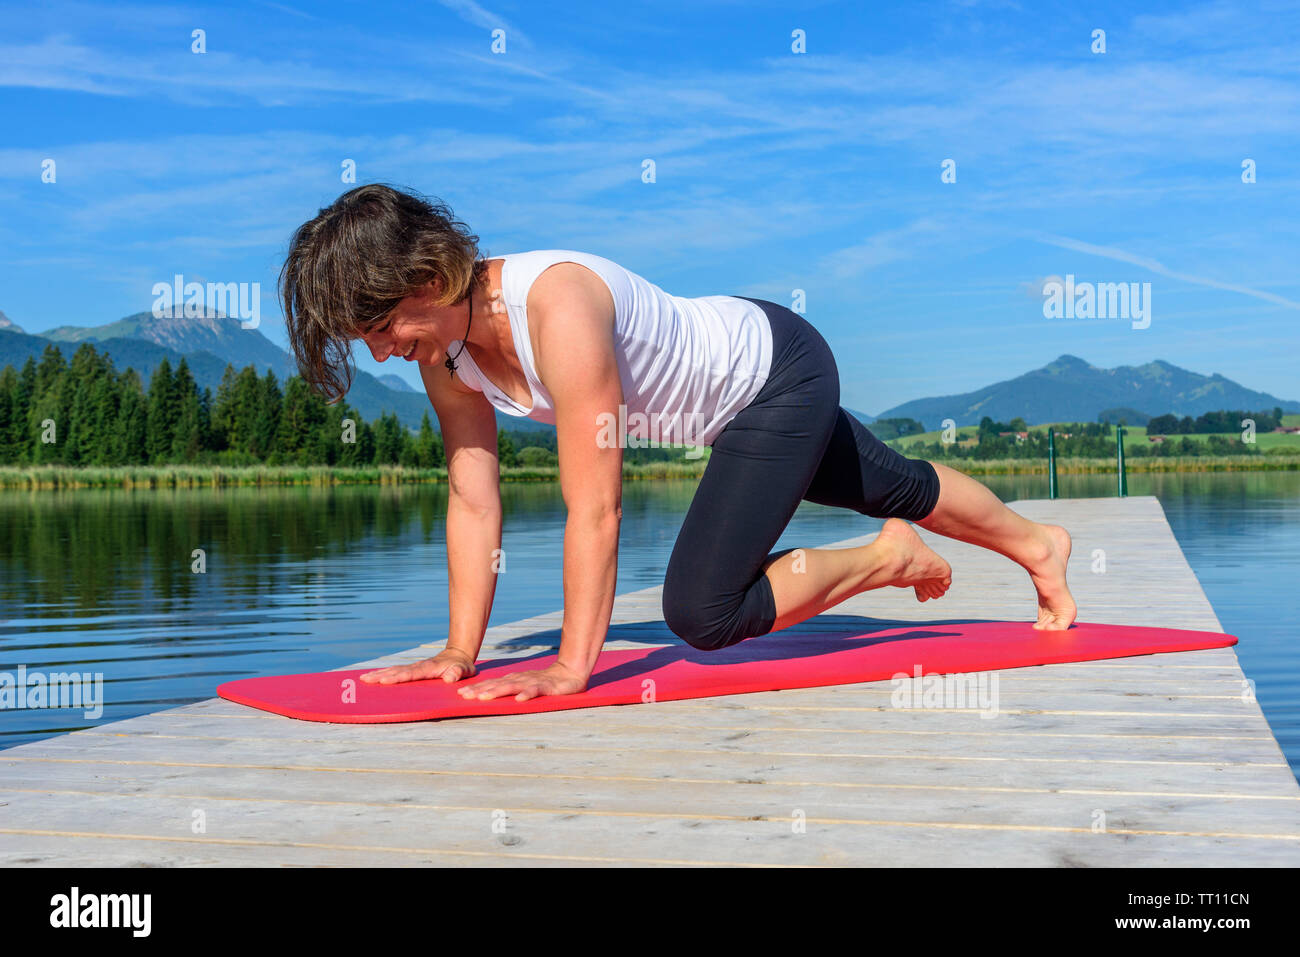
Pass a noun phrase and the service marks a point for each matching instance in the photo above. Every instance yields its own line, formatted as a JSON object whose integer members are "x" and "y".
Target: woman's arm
{"x": 469, "y": 435}
{"x": 574, "y": 349}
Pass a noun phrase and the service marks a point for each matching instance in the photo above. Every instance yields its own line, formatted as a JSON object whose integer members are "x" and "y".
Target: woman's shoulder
{"x": 521, "y": 271}
{"x": 536, "y": 261}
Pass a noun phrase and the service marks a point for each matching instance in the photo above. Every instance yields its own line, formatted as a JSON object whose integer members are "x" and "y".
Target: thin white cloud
{"x": 1151, "y": 265}
{"x": 883, "y": 247}
{"x": 471, "y": 12}
{"x": 290, "y": 10}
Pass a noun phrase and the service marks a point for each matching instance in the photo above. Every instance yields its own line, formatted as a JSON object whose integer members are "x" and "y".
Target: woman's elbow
{"x": 597, "y": 513}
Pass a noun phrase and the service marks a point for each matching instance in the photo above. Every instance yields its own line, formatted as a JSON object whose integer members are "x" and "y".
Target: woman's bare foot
{"x": 1056, "y": 608}
{"x": 917, "y": 565}
{"x": 969, "y": 512}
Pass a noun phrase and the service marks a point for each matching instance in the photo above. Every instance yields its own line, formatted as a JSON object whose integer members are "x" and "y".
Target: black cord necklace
{"x": 450, "y": 361}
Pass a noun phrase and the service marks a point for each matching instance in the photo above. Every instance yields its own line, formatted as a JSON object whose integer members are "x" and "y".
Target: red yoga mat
{"x": 674, "y": 672}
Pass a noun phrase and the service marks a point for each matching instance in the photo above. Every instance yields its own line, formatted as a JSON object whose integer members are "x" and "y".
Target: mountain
{"x": 1066, "y": 390}
{"x": 218, "y": 335}
{"x": 17, "y": 347}
{"x": 367, "y": 395}
{"x": 142, "y": 340}
{"x": 395, "y": 382}
{"x": 1072, "y": 390}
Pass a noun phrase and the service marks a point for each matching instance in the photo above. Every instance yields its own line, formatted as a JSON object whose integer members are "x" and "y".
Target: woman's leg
{"x": 722, "y": 585}
{"x": 806, "y": 582}
{"x": 715, "y": 593}
{"x": 969, "y": 512}
{"x": 860, "y": 472}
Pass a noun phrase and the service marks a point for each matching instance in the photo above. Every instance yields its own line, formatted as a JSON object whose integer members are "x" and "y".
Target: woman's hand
{"x": 449, "y": 665}
{"x": 554, "y": 680}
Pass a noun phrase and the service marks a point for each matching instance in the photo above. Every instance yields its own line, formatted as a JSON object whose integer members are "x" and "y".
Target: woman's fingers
{"x": 491, "y": 689}
{"x": 527, "y": 694}
{"x": 525, "y": 685}
{"x": 388, "y": 676}
{"x": 419, "y": 671}
{"x": 518, "y": 685}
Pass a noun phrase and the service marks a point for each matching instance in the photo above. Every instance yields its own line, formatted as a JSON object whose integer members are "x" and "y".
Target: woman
{"x": 574, "y": 339}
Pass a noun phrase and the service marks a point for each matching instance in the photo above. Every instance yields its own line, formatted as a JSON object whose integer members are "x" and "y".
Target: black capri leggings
{"x": 792, "y": 443}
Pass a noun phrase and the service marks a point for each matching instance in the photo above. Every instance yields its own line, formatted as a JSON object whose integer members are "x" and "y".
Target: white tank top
{"x": 687, "y": 365}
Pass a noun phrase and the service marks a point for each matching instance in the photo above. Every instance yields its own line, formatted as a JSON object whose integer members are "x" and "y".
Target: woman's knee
{"x": 692, "y": 626}
{"x": 702, "y": 620}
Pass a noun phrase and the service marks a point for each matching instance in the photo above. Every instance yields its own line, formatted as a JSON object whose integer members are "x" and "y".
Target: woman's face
{"x": 414, "y": 331}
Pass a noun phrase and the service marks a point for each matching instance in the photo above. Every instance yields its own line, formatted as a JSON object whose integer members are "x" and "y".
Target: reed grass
{"x": 1102, "y": 466}
{"x": 39, "y": 477}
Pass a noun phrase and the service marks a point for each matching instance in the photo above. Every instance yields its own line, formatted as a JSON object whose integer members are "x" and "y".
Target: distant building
{"x": 1155, "y": 438}
{"x": 1020, "y": 436}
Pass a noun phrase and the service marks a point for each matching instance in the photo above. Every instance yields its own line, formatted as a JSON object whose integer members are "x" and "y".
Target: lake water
{"x": 302, "y": 579}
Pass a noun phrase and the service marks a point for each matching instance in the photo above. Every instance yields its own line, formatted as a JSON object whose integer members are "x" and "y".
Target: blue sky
{"x": 775, "y": 170}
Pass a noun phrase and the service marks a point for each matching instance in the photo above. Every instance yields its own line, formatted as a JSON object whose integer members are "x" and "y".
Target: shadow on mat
{"x": 825, "y": 635}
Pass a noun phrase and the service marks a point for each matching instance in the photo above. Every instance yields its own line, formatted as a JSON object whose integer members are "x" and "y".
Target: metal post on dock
{"x": 1119, "y": 461}
{"x": 1051, "y": 462}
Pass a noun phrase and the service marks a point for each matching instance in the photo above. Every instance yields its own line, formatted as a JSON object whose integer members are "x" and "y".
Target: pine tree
{"x": 163, "y": 411}
{"x": 360, "y": 451}
{"x": 388, "y": 439}
{"x": 87, "y": 376}
{"x": 21, "y": 440}
{"x": 244, "y": 403}
{"x": 207, "y": 438}
{"x": 428, "y": 450}
{"x": 505, "y": 449}
{"x": 98, "y": 416}
{"x": 24, "y": 396}
{"x": 105, "y": 406}
{"x": 50, "y": 370}
{"x": 132, "y": 445}
{"x": 47, "y": 424}
{"x": 187, "y": 429}
{"x": 301, "y": 422}
{"x": 266, "y": 420}
{"x": 366, "y": 453}
{"x": 224, "y": 410}
{"x": 8, "y": 432}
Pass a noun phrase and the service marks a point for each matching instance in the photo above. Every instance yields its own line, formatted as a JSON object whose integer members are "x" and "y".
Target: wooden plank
{"x": 688, "y": 736}
{"x": 849, "y": 771}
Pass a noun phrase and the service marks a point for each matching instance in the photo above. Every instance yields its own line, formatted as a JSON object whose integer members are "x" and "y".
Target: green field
{"x": 1133, "y": 435}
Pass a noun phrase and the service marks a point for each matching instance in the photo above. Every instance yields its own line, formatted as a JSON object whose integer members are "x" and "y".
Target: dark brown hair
{"x": 351, "y": 265}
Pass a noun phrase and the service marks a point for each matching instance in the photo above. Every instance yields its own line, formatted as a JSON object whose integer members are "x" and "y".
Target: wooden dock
{"x": 1149, "y": 761}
